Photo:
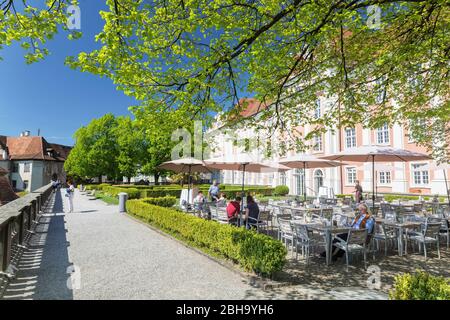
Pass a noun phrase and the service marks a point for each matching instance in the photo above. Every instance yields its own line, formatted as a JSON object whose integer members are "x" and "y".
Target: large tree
{"x": 197, "y": 57}
{"x": 159, "y": 128}
{"x": 96, "y": 150}
{"x": 132, "y": 145}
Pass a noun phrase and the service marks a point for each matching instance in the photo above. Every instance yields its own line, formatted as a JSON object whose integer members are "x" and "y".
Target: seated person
{"x": 222, "y": 199}
{"x": 362, "y": 221}
{"x": 251, "y": 211}
{"x": 199, "y": 200}
{"x": 233, "y": 209}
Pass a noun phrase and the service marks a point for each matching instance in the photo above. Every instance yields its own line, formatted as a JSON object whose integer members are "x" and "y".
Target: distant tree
{"x": 132, "y": 146}
{"x": 96, "y": 150}
{"x": 158, "y": 128}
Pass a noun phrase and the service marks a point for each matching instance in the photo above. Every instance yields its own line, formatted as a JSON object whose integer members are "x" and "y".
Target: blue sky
{"x": 49, "y": 95}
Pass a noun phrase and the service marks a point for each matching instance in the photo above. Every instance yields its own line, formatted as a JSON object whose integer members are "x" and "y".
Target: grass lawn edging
{"x": 250, "y": 250}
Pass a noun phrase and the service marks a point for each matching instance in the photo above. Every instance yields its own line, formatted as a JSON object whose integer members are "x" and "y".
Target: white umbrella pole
{"x": 373, "y": 183}
{"x": 242, "y": 200}
{"x": 446, "y": 186}
{"x": 304, "y": 181}
{"x": 189, "y": 185}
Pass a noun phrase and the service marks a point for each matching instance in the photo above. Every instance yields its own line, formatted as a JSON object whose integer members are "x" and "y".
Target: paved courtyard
{"x": 97, "y": 253}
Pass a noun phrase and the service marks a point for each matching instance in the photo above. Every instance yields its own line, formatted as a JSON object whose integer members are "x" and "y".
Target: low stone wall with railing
{"x": 17, "y": 222}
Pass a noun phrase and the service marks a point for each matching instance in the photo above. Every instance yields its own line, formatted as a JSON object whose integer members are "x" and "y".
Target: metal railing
{"x": 18, "y": 219}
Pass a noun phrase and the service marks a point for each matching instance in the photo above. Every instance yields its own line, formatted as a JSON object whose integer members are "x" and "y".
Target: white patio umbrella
{"x": 376, "y": 154}
{"x": 307, "y": 161}
{"x": 245, "y": 163}
{"x": 188, "y": 165}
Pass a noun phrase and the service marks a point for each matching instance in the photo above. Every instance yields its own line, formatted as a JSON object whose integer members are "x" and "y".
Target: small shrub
{"x": 420, "y": 286}
{"x": 281, "y": 190}
{"x": 251, "y": 250}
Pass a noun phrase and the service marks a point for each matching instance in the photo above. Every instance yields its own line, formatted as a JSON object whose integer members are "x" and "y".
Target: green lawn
{"x": 106, "y": 198}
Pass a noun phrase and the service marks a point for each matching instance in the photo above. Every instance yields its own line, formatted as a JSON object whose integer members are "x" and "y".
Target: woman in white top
{"x": 70, "y": 191}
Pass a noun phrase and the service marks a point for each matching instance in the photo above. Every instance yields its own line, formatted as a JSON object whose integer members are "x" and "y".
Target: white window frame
{"x": 347, "y": 181}
{"x": 384, "y": 133}
{"x": 421, "y": 176}
{"x": 318, "y": 143}
{"x": 350, "y": 138}
{"x": 387, "y": 177}
{"x": 317, "y": 109}
{"x": 25, "y": 165}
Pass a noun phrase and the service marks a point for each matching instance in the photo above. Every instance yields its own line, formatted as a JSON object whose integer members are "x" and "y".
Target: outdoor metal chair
{"x": 444, "y": 231}
{"x": 355, "y": 243}
{"x": 429, "y": 234}
{"x": 260, "y": 222}
{"x": 417, "y": 207}
{"x": 287, "y": 217}
{"x": 305, "y": 239}
{"x": 384, "y": 234}
{"x": 222, "y": 215}
{"x": 286, "y": 233}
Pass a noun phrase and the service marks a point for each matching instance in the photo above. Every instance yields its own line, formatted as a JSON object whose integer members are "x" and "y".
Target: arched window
{"x": 318, "y": 180}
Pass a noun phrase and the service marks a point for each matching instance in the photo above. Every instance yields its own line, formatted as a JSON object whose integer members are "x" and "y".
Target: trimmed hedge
{"x": 133, "y": 193}
{"x": 166, "y": 201}
{"x": 251, "y": 250}
{"x": 420, "y": 286}
{"x": 97, "y": 186}
{"x": 281, "y": 190}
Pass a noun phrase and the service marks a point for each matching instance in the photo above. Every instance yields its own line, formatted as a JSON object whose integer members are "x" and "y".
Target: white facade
{"x": 423, "y": 177}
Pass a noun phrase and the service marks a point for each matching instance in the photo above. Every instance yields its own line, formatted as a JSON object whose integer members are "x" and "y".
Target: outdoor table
{"x": 406, "y": 206}
{"x": 400, "y": 226}
{"x": 328, "y": 231}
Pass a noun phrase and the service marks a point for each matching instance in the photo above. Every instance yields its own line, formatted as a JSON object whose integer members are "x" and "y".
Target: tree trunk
{"x": 129, "y": 180}
{"x": 156, "y": 176}
{"x": 99, "y": 179}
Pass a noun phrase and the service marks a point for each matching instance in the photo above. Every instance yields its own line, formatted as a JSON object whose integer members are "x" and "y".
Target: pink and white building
{"x": 422, "y": 177}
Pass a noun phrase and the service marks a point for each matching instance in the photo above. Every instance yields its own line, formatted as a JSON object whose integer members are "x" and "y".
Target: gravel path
{"x": 102, "y": 254}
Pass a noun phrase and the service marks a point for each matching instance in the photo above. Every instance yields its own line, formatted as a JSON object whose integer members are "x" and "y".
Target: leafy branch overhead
{"x": 33, "y": 23}
{"x": 199, "y": 56}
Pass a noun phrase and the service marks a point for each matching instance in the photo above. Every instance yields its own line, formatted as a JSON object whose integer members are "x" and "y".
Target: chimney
{"x": 5, "y": 155}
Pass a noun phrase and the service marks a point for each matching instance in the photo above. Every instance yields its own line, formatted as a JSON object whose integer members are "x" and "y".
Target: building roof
{"x": 6, "y": 192}
{"x": 250, "y": 107}
{"x": 35, "y": 148}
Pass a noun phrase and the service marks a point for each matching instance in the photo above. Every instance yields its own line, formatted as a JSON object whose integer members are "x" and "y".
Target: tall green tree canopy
{"x": 197, "y": 56}
{"x": 132, "y": 145}
{"x": 159, "y": 127}
{"x": 96, "y": 150}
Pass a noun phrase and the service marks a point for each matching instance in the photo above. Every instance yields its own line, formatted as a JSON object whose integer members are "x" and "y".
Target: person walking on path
{"x": 358, "y": 192}
{"x": 70, "y": 191}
